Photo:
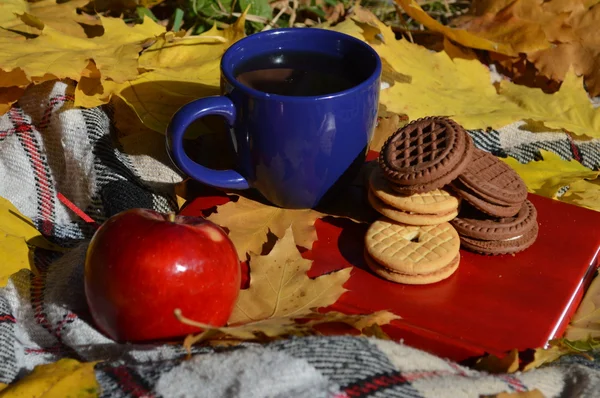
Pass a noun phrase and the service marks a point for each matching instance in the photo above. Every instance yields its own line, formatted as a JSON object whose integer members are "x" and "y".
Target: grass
{"x": 196, "y": 16}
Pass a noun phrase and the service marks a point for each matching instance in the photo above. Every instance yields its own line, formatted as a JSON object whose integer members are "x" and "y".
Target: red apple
{"x": 141, "y": 265}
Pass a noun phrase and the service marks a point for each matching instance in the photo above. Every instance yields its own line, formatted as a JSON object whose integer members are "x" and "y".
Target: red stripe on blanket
{"x": 574, "y": 148}
{"x": 50, "y": 108}
{"x": 42, "y": 175}
{"x": 127, "y": 382}
{"x": 7, "y": 318}
{"x": 6, "y": 133}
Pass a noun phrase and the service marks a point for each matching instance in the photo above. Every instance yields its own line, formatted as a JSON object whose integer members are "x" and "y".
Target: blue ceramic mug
{"x": 298, "y": 137}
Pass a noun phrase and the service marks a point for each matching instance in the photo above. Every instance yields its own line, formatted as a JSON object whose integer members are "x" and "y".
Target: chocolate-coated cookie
{"x": 491, "y": 209}
{"x": 482, "y": 234}
{"x": 428, "y": 152}
{"x": 493, "y": 180}
{"x": 448, "y": 174}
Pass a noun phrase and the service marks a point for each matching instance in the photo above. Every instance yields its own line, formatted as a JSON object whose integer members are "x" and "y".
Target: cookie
{"x": 419, "y": 209}
{"x": 505, "y": 246}
{"x": 413, "y": 250}
{"x": 409, "y": 218}
{"x": 444, "y": 180}
{"x": 493, "y": 180}
{"x": 425, "y": 154}
{"x": 481, "y": 204}
{"x": 408, "y": 279}
{"x": 485, "y": 235}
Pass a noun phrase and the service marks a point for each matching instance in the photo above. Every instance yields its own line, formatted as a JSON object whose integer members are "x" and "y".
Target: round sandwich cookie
{"x": 497, "y": 236}
{"x": 491, "y": 186}
{"x": 483, "y": 205}
{"x": 409, "y": 218}
{"x": 412, "y": 250}
{"x": 493, "y": 180}
{"x": 427, "y": 208}
{"x": 425, "y": 154}
{"x": 408, "y": 279}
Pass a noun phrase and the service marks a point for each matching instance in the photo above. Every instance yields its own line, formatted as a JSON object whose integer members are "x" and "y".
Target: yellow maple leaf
{"x": 412, "y": 8}
{"x": 439, "y": 85}
{"x": 545, "y": 177}
{"x": 17, "y": 235}
{"x": 584, "y": 193}
{"x": 568, "y": 109}
{"x": 279, "y": 286}
{"x": 586, "y": 321}
{"x": 64, "y": 378}
{"x": 249, "y": 221}
{"x": 180, "y": 70}
{"x": 54, "y": 54}
{"x": 60, "y": 15}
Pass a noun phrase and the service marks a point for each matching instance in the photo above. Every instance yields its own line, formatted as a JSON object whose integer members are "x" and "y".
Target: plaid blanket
{"x": 48, "y": 147}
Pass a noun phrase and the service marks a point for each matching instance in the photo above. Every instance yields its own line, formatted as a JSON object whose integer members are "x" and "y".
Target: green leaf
{"x": 583, "y": 345}
{"x": 178, "y": 19}
{"x": 207, "y": 8}
{"x": 259, "y": 8}
{"x": 143, "y": 11}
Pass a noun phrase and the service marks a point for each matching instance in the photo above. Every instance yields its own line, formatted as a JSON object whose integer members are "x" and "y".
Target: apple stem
{"x": 171, "y": 216}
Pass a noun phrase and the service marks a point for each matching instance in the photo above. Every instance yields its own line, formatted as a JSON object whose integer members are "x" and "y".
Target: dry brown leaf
{"x": 543, "y": 356}
{"x": 554, "y": 35}
{"x": 8, "y": 96}
{"x": 285, "y": 326}
{"x": 493, "y": 364}
{"x": 581, "y": 52}
{"x": 249, "y": 222}
{"x": 524, "y": 25}
{"x": 412, "y": 8}
{"x": 279, "y": 286}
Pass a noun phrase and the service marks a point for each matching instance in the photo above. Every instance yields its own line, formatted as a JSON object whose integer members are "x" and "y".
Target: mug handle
{"x": 217, "y": 105}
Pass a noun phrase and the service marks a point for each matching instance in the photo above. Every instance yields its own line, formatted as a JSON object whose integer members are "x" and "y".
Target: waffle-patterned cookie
{"x": 433, "y": 202}
{"x": 447, "y": 178}
{"x": 425, "y": 154}
{"x": 407, "y": 217}
{"x": 412, "y": 249}
{"x": 409, "y": 279}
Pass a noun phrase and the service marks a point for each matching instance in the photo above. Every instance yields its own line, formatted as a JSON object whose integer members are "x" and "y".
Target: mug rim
{"x": 376, "y": 74}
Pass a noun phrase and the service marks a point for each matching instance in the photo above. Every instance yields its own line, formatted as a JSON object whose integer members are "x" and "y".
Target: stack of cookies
{"x": 497, "y": 218}
{"x": 413, "y": 243}
{"x": 436, "y": 191}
